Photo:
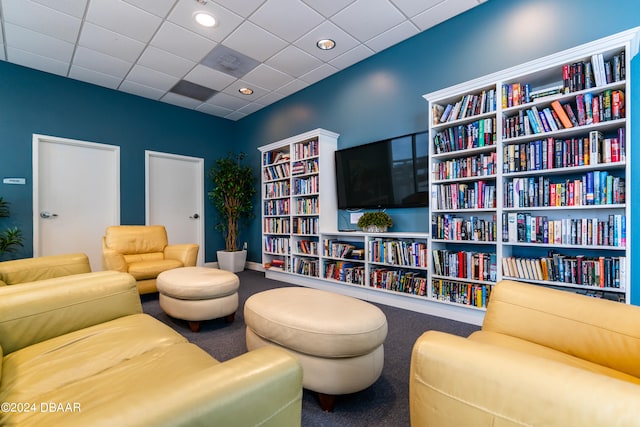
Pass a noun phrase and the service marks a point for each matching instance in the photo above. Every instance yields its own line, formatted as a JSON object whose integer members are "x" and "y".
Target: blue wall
{"x": 381, "y": 96}
{"x": 35, "y": 102}
{"x": 377, "y": 98}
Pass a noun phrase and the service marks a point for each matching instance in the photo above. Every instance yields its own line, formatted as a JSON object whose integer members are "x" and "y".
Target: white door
{"x": 175, "y": 197}
{"x": 76, "y": 195}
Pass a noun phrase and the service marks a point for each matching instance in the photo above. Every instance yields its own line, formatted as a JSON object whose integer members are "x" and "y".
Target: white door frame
{"x": 148, "y": 154}
{"x": 37, "y": 139}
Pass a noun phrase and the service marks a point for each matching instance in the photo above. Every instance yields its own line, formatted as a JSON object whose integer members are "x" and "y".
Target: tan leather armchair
{"x": 41, "y": 268}
{"x": 544, "y": 357}
{"x": 144, "y": 252}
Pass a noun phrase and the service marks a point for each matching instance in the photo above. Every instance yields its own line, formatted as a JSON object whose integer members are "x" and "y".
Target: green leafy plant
{"x": 375, "y": 219}
{"x": 11, "y": 237}
{"x": 232, "y": 194}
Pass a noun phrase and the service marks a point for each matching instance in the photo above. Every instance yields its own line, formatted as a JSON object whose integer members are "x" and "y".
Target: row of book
{"x": 550, "y": 153}
{"x": 277, "y": 189}
{"x": 271, "y": 157}
{"x": 309, "y": 185}
{"x": 276, "y": 207}
{"x": 465, "y": 264}
{"x": 603, "y": 272}
{"x": 408, "y": 282}
{"x": 304, "y": 167}
{"x": 278, "y": 264}
{"x": 469, "y": 105}
{"x": 276, "y": 226}
{"x": 466, "y": 167}
{"x": 472, "y": 135}
{"x": 305, "y": 149}
{"x": 473, "y": 228}
{"x": 276, "y": 171}
{"x": 276, "y": 245}
{"x": 594, "y": 188}
{"x": 597, "y": 72}
{"x": 460, "y": 293}
{"x": 398, "y": 252}
{"x": 308, "y": 247}
{"x": 589, "y": 109}
{"x": 305, "y": 225}
{"x": 306, "y": 267}
{"x": 307, "y": 206}
{"x": 339, "y": 249}
{"x": 526, "y": 228}
{"x": 344, "y": 271}
{"x": 475, "y": 195}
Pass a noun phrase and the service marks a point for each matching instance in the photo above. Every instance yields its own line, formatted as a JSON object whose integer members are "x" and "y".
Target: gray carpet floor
{"x": 385, "y": 403}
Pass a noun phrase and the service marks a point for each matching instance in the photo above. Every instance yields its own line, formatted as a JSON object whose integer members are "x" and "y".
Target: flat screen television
{"x": 392, "y": 173}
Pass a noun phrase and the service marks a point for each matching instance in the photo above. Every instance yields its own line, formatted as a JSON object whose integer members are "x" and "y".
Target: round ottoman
{"x": 338, "y": 339}
{"x": 198, "y": 293}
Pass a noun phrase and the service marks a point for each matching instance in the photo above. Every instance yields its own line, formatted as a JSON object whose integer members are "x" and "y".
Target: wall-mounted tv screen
{"x": 392, "y": 173}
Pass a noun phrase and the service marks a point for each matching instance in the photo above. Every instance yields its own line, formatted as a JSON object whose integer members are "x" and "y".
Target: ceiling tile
{"x": 270, "y": 98}
{"x": 344, "y": 42}
{"x": 148, "y": 77}
{"x": 97, "y": 61}
{"x": 328, "y": 8}
{"x": 251, "y": 108}
{"x": 243, "y": 8}
{"x": 94, "y": 77}
{"x": 41, "y": 19}
{"x": 226, "y": 21}
{"x": 267, "y": 77}
{"x": 181, "y": 101}
{"x": 114, "y": 44}
{"x": 38, "y": 43}
{"x": 294, "y": 61}
{"x": 141, "y": 90}
{"x": 182, "y": 42}
{"x": 413, "y": 7}
{"x": 74, "y": 8}
{"x": 227, "y": 101}
{"x": 236, "y": 115}
{"x": 441, "y": 12}
{"x": 366, "y": 18}
{"x": 123, "y": 18}
{"x": 158, "y": 7}
{"x": 209, "y": 77}
{"x": 322, "y": 72}
{"x": 393, "y": 36}
{"x": 216, "y": 110}
{"x": 275, "y": 16}
{"x": 163, "y": 61}
{"x": 254, "y": 41}
{"x": 355, "y": 55}
{"x": 27, "y": 59}
{"x": 292, "y": 87}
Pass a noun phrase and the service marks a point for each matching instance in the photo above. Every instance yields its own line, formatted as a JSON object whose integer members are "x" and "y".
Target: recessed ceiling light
{"x": 326, "y": 44}
{"x": 245, "y": 91}
{"x": 205, "y": 19}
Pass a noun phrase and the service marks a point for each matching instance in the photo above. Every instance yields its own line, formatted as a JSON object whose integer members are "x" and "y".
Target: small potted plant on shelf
{"x": 375, "y": 222}
{"x": 233, "y": 190}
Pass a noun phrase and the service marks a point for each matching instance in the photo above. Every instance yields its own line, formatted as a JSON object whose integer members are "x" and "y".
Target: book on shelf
{"x": 562, "y": 114}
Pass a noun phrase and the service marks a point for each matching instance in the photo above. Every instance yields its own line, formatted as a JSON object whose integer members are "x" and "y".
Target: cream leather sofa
{"x": 46, "y": 267}
{"x": 78, "y": 351}
{"x": 144, "y": 252}
{"x": 543, "y": 358}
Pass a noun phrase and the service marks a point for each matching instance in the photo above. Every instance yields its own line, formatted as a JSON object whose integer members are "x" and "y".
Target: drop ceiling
{"x": 155, "y": 49}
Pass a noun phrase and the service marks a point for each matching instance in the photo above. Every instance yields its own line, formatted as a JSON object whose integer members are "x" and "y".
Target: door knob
{"x": 195, "y": 216}
{"x": 46, "y": 214}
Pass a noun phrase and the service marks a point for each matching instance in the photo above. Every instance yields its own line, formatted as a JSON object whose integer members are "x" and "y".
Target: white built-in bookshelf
{"x": 530, "y": 176}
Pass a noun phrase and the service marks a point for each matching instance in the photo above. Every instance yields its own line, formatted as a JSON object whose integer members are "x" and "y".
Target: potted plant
{"x": 232, "y": 194}
{"x": 11, "y": 237}
{"x": 375, "y": 222}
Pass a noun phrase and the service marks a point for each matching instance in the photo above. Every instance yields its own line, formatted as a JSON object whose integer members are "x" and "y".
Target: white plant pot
{"x": 232, "y": 261}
